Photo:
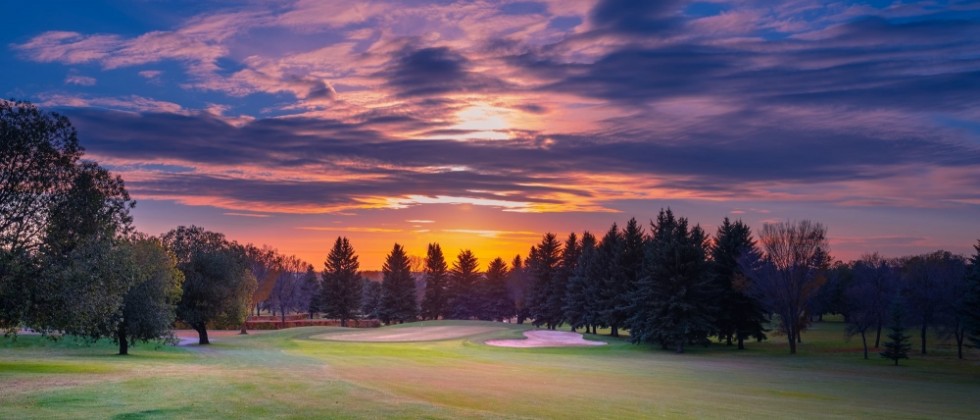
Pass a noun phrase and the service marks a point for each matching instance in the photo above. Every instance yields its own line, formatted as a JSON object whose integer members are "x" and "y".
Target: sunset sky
{"x": 484, "y": 124}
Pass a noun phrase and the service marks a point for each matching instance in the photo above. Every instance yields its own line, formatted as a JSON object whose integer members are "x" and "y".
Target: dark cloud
{"x": 868, "y": 63}
{"x": 435, "y": 71}
{"x": 720, "y": 157}
{"x": 641, "y": 17}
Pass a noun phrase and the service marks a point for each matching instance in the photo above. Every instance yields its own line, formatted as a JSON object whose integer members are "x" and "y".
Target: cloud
{"x": 80, "y": 80}
{"x": 435, "y": 71}
{"x": 318, "y": 166}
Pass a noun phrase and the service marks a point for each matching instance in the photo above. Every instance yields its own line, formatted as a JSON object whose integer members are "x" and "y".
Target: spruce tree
{"x": 435, "y": 303}
{"x": 739, "y": 314}
{"x": 580, "y": 292}
{"x": 556, "y": 298}
{"x": 497, "y": 305}
{"x": 544, "y": 264}
{"x": 463, "y": 279}
{"x": 341, "y": 282}
{"x": 971, "y": 300}
{"x": 397, "y": 288}
{"x": 609, "y": 287}
{"x": 898, "y": 345}
{"x": 673, "y": 304}
{"x": 518, "y": 287}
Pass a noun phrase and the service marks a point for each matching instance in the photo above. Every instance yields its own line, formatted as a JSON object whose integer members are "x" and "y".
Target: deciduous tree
{"x": 790, "y": 272}
{"x": 218, "y": 285}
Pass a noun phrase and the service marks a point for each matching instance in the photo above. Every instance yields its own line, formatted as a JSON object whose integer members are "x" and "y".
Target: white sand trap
{"x": 406, "y": 334}
{"x": 543, "y": 338}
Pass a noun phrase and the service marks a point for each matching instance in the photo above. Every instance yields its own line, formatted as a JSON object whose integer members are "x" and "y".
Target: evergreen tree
{"x": 341, "y": 282}
{"x": 463, "y": 279}
{"x": 631, "y": 260}
{"x": 580, "y": 293}
{"x": 739, "y": 314}
{"x": 673, "y": 304}
{"x": 518, "y": 287}
{"x": 544, "y": 264}
{"x": 397, "y": 288}
{"x": 570, "y": 254}
{"x": 971, "y": 300}
{"x": 435, "y": 303}
{"x": 610, "y": 283}
{"x": 898, "y": 346}
{"x": 371, "y": 299}
{"x": 497, "y": 305}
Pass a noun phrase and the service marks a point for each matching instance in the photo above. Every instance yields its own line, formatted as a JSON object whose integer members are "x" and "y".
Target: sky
{"x": 484, "y": 124}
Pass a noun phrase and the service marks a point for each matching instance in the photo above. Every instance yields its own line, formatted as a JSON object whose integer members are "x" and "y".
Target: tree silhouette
{"x": 397, "y": 288}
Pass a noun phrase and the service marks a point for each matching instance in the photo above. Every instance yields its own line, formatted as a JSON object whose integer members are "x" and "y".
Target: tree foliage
{"x": 673, "y": 303}
{"x": 581, "y": 306}
{"x": 463, "y": 278}
{"x": 897, "y": 346}
{"x": 397, "y": 288}
{"x": 435, "y": 303}
{"x": 149, "y": 306}
{"x": 341, "y": 288}
{"x": 218, "y": 284}
{"x": 496, "y": 302}
{"x": 544, "y": 264}
{"x": 790, "y": 272}
{"x": 740, "y": 315}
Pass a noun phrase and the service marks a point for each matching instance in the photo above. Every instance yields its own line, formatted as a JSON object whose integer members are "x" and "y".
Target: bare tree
{"x": 790, "y": 272}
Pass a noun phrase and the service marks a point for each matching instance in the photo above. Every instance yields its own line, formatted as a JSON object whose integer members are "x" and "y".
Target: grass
{"x": 289, "y": 374}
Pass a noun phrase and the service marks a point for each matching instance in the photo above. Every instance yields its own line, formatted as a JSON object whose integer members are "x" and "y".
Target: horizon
{"x": 485, "y": 125}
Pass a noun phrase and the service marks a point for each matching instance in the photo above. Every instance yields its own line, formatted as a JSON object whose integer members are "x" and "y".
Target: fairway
{"x": 409, "y": 333}
{"x": 295, "y": 373}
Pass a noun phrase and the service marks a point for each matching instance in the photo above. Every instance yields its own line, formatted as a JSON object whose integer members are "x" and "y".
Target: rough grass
{"x": 289, "y": 374}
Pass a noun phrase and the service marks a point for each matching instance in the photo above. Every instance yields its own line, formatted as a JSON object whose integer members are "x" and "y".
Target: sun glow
{"x": 482, "y": 121}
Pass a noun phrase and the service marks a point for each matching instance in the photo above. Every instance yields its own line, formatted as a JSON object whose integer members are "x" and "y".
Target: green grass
{"x": 288, "y": 374}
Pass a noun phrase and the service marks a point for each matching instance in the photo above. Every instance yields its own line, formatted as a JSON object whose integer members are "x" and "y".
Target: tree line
{"x": 71, "y": 263}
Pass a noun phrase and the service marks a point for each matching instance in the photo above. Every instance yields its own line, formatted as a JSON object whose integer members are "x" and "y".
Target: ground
{"x": 302, "y": 373}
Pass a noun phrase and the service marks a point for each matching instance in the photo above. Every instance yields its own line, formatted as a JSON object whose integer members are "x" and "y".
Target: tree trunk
{"x": 614, "y": 331}
{"x": 343, "y": 322}
{"x": 728, "y": 339}
{"x": 282, "y": 316}
{"x": 878, "y": 336}
{"x": 202, "y": 334}
{"x": 680, "y": 346}
{"x": 123, "y": 344}
{"x": 791, "y": 337}
{"x": 865, "y": 342}
{"x": 243, "y": 331}
{"x": 923, "y": 336}
{"x": 741, "y": 343}
{"x": 959, "y": 343}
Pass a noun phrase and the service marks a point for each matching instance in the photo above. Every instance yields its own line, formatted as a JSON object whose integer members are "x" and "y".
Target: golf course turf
{"x": 301, "y": 373}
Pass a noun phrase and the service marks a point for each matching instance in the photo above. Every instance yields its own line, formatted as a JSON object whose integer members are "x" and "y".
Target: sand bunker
{"x": 541, "y": 338}
{"x": 407, "y": 334}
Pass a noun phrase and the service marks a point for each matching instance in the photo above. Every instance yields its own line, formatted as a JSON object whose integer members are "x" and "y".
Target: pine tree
{"x": 673, "y": 304}
{"x": 971, "y": 300}
{"x": 556, "y": 298}
{"x": 609, "y": 287}
{"x": 341, "y": 282}
{"x": 497, "y": 305}
{"x": 580, "y": 293}
{"x": 397, "y": 288}
{"x": 544, "y": 264}
{"x": 463, "y": 279}
{"x": 371, "y": 299}
{"x": 740, "y": 315}
{"x": 517, "y": 286}
{"x": 898, "y": 345}
{"x": 435, "y": 304}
